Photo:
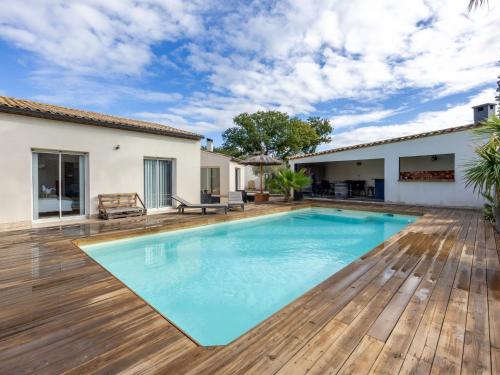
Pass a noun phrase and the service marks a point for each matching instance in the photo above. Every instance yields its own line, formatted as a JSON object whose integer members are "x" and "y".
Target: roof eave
{"x": 231, "y": 158}
{"x": 406, "y": 138}
{"x": 86, "y": 121}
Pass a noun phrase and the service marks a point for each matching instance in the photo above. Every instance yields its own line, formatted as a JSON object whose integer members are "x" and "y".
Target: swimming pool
{"x": 218, "y": 281}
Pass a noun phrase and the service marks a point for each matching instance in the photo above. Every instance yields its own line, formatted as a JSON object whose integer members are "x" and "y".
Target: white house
{"x": 55, "y": 161}
{"x": 220, "y": 174}
{"x": 424, "y": 169}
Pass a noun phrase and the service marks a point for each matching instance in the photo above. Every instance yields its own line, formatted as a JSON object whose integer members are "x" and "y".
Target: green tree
{"x": 286, "y": 179}
{"x": 483, "y": 173}
{"x": 275, "y": 133}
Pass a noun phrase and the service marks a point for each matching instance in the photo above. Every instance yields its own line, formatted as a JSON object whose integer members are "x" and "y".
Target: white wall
{"x": 251, "y": 176}
{"x": 109, "y": 170}
{"x": 214, "y": 160}
{"x": 232, "y": 175}
{"x": 425, "y": 163}
{"x": 417, "y": 192}
{"x": 350, "y": 170}
{"x": 227, "y": 170}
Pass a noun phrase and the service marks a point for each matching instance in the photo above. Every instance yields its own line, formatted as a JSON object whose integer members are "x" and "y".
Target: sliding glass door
{"x": 157, "y": 183}
{"x": 58, "y": 185}
{"x": 210, "y": 180}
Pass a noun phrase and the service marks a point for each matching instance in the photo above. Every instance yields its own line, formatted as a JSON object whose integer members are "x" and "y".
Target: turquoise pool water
{"x": 218, "y": 281}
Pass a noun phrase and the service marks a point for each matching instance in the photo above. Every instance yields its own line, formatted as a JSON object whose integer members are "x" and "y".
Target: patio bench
{"x": 113, "y": 206}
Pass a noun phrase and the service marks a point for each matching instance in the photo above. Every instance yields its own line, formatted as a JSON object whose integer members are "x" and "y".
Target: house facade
{"x": 220, "y": 174}
{"x": 55, "y": 161}
{"x": 422, "y": 169}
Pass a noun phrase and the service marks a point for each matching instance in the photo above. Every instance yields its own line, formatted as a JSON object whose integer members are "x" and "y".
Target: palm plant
{"x": 483, "y": 173}
{"x": 286, "y": 179}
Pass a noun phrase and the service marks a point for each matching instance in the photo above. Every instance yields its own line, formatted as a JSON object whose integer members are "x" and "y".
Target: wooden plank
{"x": 462, "y": 280}
{"x": 397, "y": 345}
{"x": 476, "y": 357}
{"x": 358, "y": 303}
{"x": 383, "y": 326}
{"x": 448, "y": 358}
{"x": 493, "y": 292}
{"x": 362, "y": 359}
{"x": 335, "y": 356}
{"x": 423, "y": 347}
{"x": 314, "y": 349}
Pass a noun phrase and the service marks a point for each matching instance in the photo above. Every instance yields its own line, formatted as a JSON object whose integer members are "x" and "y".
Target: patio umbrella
{"x": 259, "y": 161}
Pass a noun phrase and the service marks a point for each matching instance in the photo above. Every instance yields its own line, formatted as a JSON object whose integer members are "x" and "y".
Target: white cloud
{"x": 197, "y": 116}
{"x": 98, "y": 37}
{"x": 288, "y": 55}
{"x": 343, "y": 121}
{"x": 177, "y": 121}
{"x": 427, "y": 121}
{"x": 78, "y": 91}
{"x": 295, "y": 55}
{"x": 305, "y": 52}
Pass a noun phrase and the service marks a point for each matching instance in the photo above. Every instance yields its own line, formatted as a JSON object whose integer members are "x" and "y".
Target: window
{"x": 157, "y": 183}
{"x": 439, "y": 167}
{"x": 237, "y": 177}
{"x": 210, "y": 180}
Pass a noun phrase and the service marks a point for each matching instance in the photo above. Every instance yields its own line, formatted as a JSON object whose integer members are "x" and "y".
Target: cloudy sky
{"x": 377, "y": 69}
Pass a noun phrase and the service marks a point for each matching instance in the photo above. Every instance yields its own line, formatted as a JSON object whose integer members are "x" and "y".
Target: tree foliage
{"x": 483, "y": 173}
{"x": 275, "y": 133}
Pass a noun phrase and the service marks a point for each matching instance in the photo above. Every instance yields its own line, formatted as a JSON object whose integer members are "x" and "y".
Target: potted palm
{"x": 483, "y": 173}
{"x": 285, "y": 180}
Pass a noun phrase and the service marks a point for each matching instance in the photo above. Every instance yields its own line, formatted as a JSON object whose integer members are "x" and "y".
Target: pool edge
{"x": 224, "y": 219}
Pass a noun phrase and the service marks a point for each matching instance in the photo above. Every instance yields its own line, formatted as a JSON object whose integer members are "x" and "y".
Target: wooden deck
{"x": 425, "y": 301}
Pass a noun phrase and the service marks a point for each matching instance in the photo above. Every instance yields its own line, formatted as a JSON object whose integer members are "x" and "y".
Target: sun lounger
{"x": 236, "y": 200}
{"x": 183, "y": 204}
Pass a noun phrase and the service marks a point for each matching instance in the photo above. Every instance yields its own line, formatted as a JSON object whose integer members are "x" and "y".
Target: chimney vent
{"x": 483, "y": 111}
{"x": 210, "y": 144}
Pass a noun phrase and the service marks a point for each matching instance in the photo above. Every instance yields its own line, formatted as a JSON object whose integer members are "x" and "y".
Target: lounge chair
{"x": 236, "y": 199}
{"x": 185, "y": 204}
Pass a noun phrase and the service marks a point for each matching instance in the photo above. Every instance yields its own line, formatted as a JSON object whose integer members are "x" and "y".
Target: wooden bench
{"x": 112, "y": 206}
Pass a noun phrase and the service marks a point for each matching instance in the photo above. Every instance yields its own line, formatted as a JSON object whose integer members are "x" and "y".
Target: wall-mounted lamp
{"x": 358, "y": 163}
{"x": 117, "y": 147}
{"x": 434, "y": 157}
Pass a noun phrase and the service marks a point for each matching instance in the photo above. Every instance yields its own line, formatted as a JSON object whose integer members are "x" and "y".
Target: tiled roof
{"x": 48, "y": 111}
{"x": 232, "y": 158}
{"x": 392, "y": 140}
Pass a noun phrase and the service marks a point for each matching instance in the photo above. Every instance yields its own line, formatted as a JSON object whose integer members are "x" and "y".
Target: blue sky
{"x": 377, "y": 69}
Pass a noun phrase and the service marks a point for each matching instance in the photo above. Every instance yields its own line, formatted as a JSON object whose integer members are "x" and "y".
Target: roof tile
{"x": 35, "y": 109}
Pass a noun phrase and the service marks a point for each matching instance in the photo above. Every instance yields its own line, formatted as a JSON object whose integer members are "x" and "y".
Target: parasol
{"x": 260, "y": 160}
